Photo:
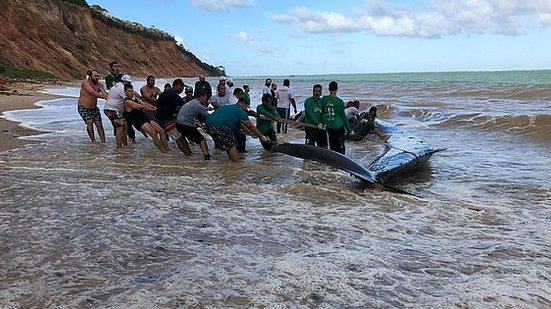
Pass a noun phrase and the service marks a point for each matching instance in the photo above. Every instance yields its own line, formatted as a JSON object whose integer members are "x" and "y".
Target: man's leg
{"x": 241, "y": 141}
{"x": 131, "y": 134}
{"x": 162, "y": 134}
{"x": 90, "y": 130}
{"x": 321, "y": 138}
{"x": 284, "y": 129}
{"x": 120, "y": 135}
{"x": 147, "y": 128}
{"x": 205, "y": 149}
{"x": 183, "y": 145}
{"x": 281, "y": 112}
{"x": 101, "y": 131}
{"x": 232, "y": 154}
{"x": 309, "y": 138}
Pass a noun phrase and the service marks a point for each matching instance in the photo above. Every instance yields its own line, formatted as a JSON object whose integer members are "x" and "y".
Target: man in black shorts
{"x": 188, "y": 114}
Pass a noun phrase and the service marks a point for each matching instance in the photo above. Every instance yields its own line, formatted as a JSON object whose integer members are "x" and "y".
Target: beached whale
{"x": 405, "y": 153}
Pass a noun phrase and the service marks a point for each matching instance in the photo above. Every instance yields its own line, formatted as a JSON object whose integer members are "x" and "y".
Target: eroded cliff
{"x": 65, "y": 38}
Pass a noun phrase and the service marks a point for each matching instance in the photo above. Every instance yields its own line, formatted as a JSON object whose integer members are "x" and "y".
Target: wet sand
{"x": 15, "y": 96}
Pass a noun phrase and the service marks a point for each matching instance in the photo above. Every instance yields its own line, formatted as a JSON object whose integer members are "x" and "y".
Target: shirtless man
{"x": 90, "y": 91}
{"x": 150, "y": 93}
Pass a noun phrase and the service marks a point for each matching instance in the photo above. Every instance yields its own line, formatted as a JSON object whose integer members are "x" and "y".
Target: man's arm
{"x": 249, "y": 126}
{"x": 88, "y": 88}
{"x": 293, "y": 103}
{"x": 214, "y": 104}
{"x": 380, "y": 134}
{"x": 133, "y": 105}
{"x": 149, "y": 107}
{"x": 102, "y": 90}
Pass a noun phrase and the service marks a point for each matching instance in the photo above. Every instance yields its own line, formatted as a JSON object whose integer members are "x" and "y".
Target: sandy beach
{"x": 15, "y": 96}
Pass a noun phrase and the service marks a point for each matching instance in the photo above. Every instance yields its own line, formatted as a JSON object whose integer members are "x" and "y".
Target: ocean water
{"x": 88, "y": 226}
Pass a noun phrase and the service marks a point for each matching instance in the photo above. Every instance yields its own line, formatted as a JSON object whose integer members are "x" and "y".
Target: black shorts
{"x": 136, "y": 118}
{"x": 150, "y": 116}
{"x": 190, "y": 133}
{"x": 336, "y": 139}
{"x": 316, "y": 137}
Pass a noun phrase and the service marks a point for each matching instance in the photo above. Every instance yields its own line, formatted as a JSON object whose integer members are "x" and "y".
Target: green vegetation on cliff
{"x": 21, "y": 74}
{"x": 127, "y": 26}
{"x": 148, "y": 32}
{"x": 78, "y": 2}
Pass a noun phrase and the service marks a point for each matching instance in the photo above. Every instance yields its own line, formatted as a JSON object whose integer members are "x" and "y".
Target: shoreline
{"x": 21, "y": 95}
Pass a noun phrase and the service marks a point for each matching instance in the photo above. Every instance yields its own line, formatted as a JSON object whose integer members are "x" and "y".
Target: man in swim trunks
{"x": 149, "y": 94}
{"x": 166, "y": 107}
{"x": 134, "y": 113}
{"x": 225, "y": 121}
{"x": 185, "y": 123}
{"x": 90, "y": 90}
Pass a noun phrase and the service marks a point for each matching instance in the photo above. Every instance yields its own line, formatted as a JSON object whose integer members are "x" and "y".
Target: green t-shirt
{"x": 247, "y": 97}
{"x": 313, "y": 111}
{"x": 362, "y": 129}
{"x": 333, "y": 110}
{"x": 111, "y": 80}
{"x": 265, "y": 125}
{"x": 227, "y": 116}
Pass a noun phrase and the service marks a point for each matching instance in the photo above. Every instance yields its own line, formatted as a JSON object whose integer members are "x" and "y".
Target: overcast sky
{"x": 254, "y": 37}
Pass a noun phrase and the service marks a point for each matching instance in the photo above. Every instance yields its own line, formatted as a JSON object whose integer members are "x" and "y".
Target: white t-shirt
{"x": 351, "y": 112}
{"x": 225, "y": 100}
{"x": 232, "y": 100}
{"x": 115, "y": 99}
{"x": 266, "y": 89}
{"x": 284, "y": 97}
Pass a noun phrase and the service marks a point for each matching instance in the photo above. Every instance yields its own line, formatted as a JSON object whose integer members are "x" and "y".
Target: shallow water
{"x": 86, "y": 225}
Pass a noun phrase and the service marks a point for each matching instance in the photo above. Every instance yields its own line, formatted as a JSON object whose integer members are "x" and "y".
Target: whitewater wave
{"x": 536, "y": 125}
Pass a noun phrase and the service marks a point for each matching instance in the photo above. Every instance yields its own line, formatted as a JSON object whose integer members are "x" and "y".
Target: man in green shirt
{"x": 225, "y": 122}
{"x": 115, "y": 76}
{"x": 246, "y": 94}
{"x": 367, "y": 125}
{"x": 313, "y": 115}
{"x": 268, "y": 114}
{"x": 336, "y": 122}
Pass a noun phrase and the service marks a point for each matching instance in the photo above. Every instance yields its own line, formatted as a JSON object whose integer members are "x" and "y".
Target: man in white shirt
{"x": 114, "y": 109}
{"x": 352, "y": 111}
{"x": 220, "y": 98}
{"x": 266, "y": 88}
{"x": 284, "y": 100}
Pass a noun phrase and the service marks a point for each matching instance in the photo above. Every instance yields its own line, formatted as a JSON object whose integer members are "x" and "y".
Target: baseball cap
{"x": 126, "y": 78}
{"x": 188, "y": 89}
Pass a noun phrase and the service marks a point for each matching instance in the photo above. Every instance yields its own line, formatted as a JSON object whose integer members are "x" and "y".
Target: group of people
{"x": 224, "y": 115}
{"x": 326, "y": 119}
